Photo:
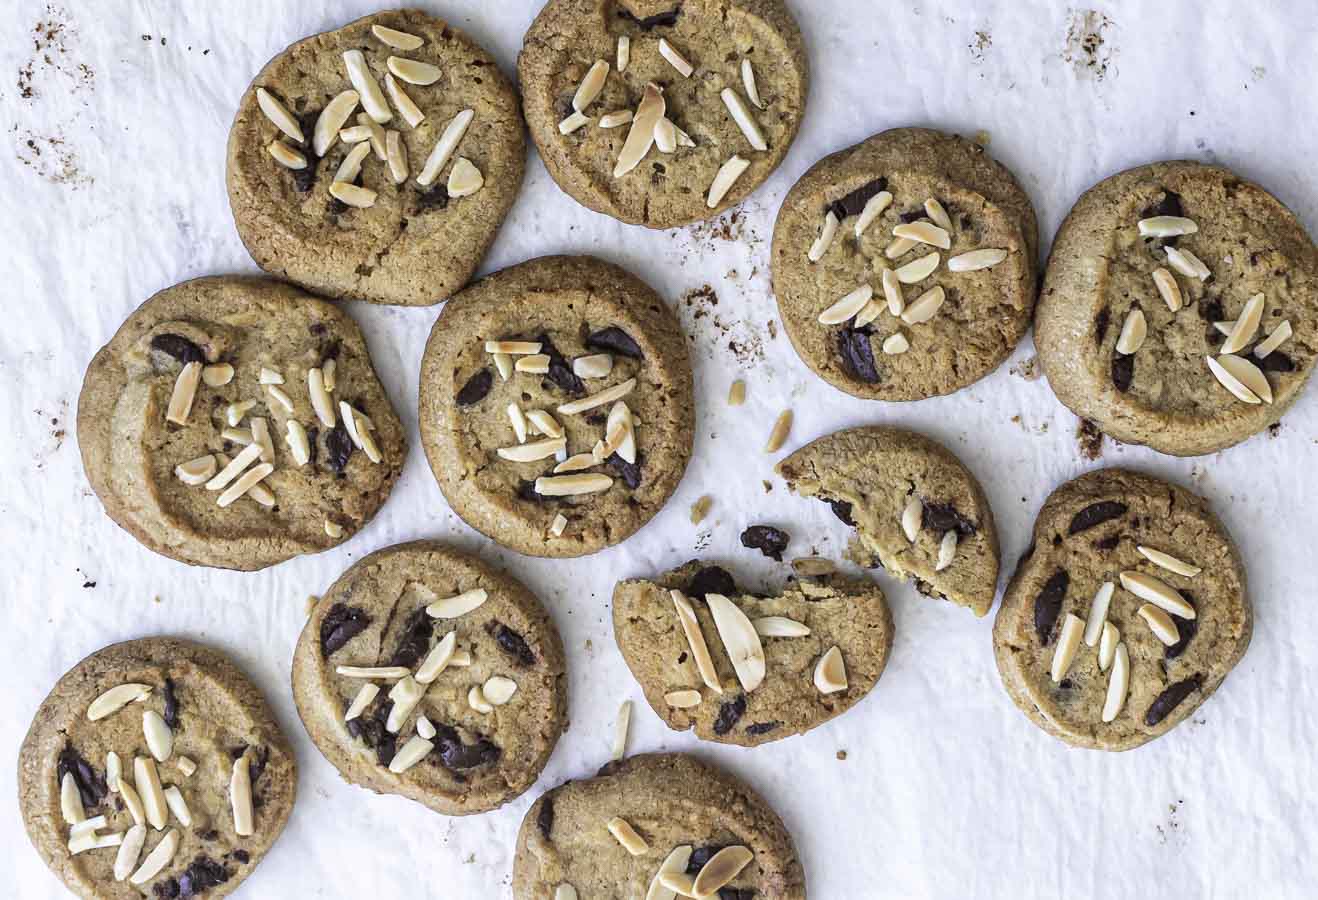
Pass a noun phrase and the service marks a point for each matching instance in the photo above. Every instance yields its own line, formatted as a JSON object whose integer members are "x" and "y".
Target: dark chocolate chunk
{"x": 1171, "y": 698}
{"x": 1187, "y": 628}
{"x": 758, "y": 728}
{"x": 202, "y": 874}
{"x": 511, "y": 642}
{"x": 341, "y": 624}
{"x": 414, "y": 640}
{"x": 615, "y": 340}
{"x": 1169, "y": 205}
{"x": 913, "y": 215}
{"x": 545, "y": 818}
{"x": 370, "y": 728}
{"x": 560, "y": 372}
{"x": 313, "y": 434}
{"x": 1210, "y": 310}
{"x": 242, "y": 856}
{"x": 853, "y": 345}
{"x": 1276, "y": 361}
{"x": 1048, "y": 605}
{"x": 171, "y": 704}
{"x": 526, "y": 491}
{"x": 91, "y": 784}
{"x": 338, "y": 446}
{"x": 736, "y": 894}
{"x": 454, "y": 754}
{"x": 1123, "y": 371}
{"x": 304, "y": 179}
{"x": 476, "y": 388}
{"x": 658, "y": 20}
{"x": 841, "y": 509}
{"x": 1096, "y": 514}
{"x": 712, "y": 580}
{"x": 256, "y": 765}
{"x": 700, "y": 856}
{"x": 729, "y": 714}
{"x": 944, "y": 517}
{"x": 852, "y": 204}
{"x": 435, "y": 198}
{"x": 768, "y": 540}
{"x": 630, "y": 473}
{"x": 179, "y": 347}
{"x": 1101, "y": 323}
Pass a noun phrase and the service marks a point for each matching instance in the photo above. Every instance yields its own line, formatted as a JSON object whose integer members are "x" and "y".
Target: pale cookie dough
{"x": 917, "y": 510}
{"x": 411, "y": 219}
{"x": 1127, "y": 611}
{"x": 786, "y": 636}
{"x": 1148, "y": 277}
{"x": 631, "y": 102}
{"x": 200, "y": 373}
{"x": 154, "y": 768}
{"x": 679, "y": 818}
{"x": 427, "y": 673}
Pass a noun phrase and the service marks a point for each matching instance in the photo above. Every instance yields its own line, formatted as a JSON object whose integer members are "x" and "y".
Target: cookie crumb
{"x": 309, "y": 605}
{"x": 1027, "y": 369}
{"x": 700, "y": 508}
{"x": 1090, "y": 440}
{"x": 842, "y": 756}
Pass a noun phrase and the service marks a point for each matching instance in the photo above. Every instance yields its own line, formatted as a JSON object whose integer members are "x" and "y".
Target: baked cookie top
{"x": 905, "y": 266}
{"x": 739, "y": 668}
{"x": 556, "y": 405}
{"x": 1127, "y": 611}
{"x": 918, "y": 511}
{"x": 427, "y": 673}
{"x": 377, "y": 161}
{"x": 659, "y": 112}
{"x": 154, "y": 768}
{"x": 238, "y": 422}
{"x": 652, "y": 826}
{"x": 1180, "y": 308}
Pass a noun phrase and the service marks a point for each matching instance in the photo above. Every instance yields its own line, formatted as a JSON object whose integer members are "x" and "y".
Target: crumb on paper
{"x": 842, "y": 755}
{"x": 700, "y": 509}
{"x": 1088, "y": 48}
{"x": 980, "y": 45}
{"x": 1027, "y": 369}
{"x": 1274, "y": 429}
{"x": 1090, "y": 439}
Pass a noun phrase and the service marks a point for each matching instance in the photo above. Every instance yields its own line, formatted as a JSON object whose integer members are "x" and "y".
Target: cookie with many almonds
{"x": 556, "y": 405}
{"x": 741, "y": 668}
{"x": 238, "y": 422}
{"x": 905, "y": 266}
{"x": 1127, "y": 611}
{"x": 427, "y": 673}
{"x": 1180, "y": 308}
{"x": 659, "y": 112}
{"x": 657, "y": 825}
{"x": 377, "y": 161}
{"x": 154, "y": 768}
{"x": 917, "y": 510}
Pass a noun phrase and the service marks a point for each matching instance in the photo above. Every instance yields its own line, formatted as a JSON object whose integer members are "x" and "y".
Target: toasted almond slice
{"x": 245, "y": 458}
{"x": 674, "y": 864}
{"x": 896, "y": 344}
{"x": 918, "y": 270}
{"x": 514, "y": 348}
{"x": 279, "y": 116}
{"x": 946, "y": 550}
{"x": 558, "y": 526}
{"x": 831, "y": 672}
{"x": 129, "y": 852}
{"x": 359, "y": 429}
{"x": 117, "y": 697}
{"x": 147, "y": 781}
{"x": 721, "y": 869}
{"x": 425, "y": 728}
{"x": 677, "y": 884}
{"x": 1118, "y": 683}
{"x": 976, "y": 259}
{"x": 331, "y": 120}
{"x": 737, "y": 393}
{"x": 537, "y": 364}
{"x": 620, "y": 728}
{"x": 357, "y": 134}
{"x": 240, "y": 797}
{"x": 405, "y": 695}
{"x": 727, "y": 176}
{"x": 812, "y": 566}
{"x": 748, "y": 82}
{"x": 899, "y": 247}
{"x": 621, "y": 432}
{"x": 410, "y": 112}
{"x": 90, "y": 840}
{"x": 364, "y": 82}
{"x": 295, "y": 435}
{"x": 278, "y": 394}
{"x": 286, "y": 156}
{"x": 848, "y": 306}
{"x": 1169, "y": 562}
{"x": 353, "y": 195}
{"x": 186, "y": 766}
{"x": 1228, "y": 379}
{"x": 87, "y": 826}
{"x": 377, "y": 137}
{"x": 532, "y": 452}
{"x": 626, "y": 835}
{"x": 518, "y": 420}
{"x": 1098, "y": 613}
{"x": 70, "y": 800}
{"x": 504, "y": 363}
{"x": 1157, "y": 592}
{"x": 779, "y": 626}
{"x": 244, "y": 483}
{"x": 825, "y": 239}
{"x": 396, "y": 155}
{"x": 261, "y": 437}
{"x": 217, "y": 375}
{"x": 874, "y": 207}
{"x": 742, "y": 116}
{"x": 923, "y": 232}
{"x": 444, "y": 147}
{"x": 413, "y": 71}
{"x": 597, "y": 365}
{"x": 608, "y": 395}
{"x": 1161, "y": 624}
{"x": 578, "y": 463}
{"x": 411, "y": 753}
{"x": 366, "y": 695}
{"x": 686, "y": 615}
{"x": 234, "y": 412}
{"x": 185, "y": 391}
{"x": 740, "y": 640}
{"x": 1187, "y": 263}
{"x": 321, "y": 401}
{"x": 912, "y": 514}
{"x": 159, "y": 739}
{"x": 544, "y": 423}
{"x": 1073, "y": 629}
{"x": 1167, "y": 226}
{"x": 159, "y": 857}
{"x": 1224, "y": 328}
{"x": 459, "y": 605}
{"x": 132, "y": 801}
{"x": 591, "y": 85}
{"x": 399, "y": 40}
{"x": 178, "y": 805}
{"x": 624, "y": 52}
{"x": 782, "y": 426}
{"x": 1248, "y": 374}
{"x": 665, "y": 135}
{"x": 1168, "y": 289}
{"x": 675, "y": 59}
{"x": 615, "y": 118}
{"x": 1133, "y": 332}
{"x": 1247, "y": 325}
{"x": 924, "y": 307}
{"x": 332, "y": 529}
{"x": 464, "y": 179}
{"x": 1279, "y": 336}
{"x": 641, "y": 135}
{"x": 476, "y": 700}
{"x": 892, "y": 292}
{"x": 384, "y": 673}
{"x": 573, "y": 123}
{"x": 114, "y": 770}
{"x": 238, "y": 435}
{"x": 938, "y": 214}
{"x": 572, "y": 485}
{"x": 683, "y": 699}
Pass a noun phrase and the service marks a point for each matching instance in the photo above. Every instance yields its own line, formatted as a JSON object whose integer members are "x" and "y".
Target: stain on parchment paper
{"x": 1089, "y": 47}
{"x": 50, "y": 157}
{"x": 980, "y": 45}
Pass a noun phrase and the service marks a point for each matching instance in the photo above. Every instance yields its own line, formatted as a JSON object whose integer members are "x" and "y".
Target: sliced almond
{"x": 615, "y": 119}
{"x": 938, "y": 214}
{"x": 624, "y": 52}
{"x": 359, "y": 429}
{"x": 831, "y": 672}
{"x": 665, "y": 135}
{"x": 117, "y": 697}
{"x": 444, "y": 147}
{"x": 976, "y": 260}
{"x": 411, "y": 753}
{"x": 572, "y": 485}
{"x": 186, "y": 766}
{"x": 620, "y": 435}
{"x": 217, "y": 375}
{"x": 1158, "y": 592}
{"x": 185, "y": 391}
{"x": 536, "y": 364}
{"x": 70, "y": 800}
{"x": 1118, "y": 683}
{"x": 923, "y": 232}
{"x": 405, "y": 695}
{"x": 721, "y": 869}
{"x": 565, "y": 891}
{"x": 812, "y": 567}
{"x": 675, "y": 59}
{"x": 608, "y": 395}
{"x": 425, "y": 728}
{"x": 896, "y": 344}
{"x": 464, "y": 179}
{"x": 1247, "y": 325}
{"x": 278, "y": 394}
{"x": 399, "y": 40}
{"x": 241, "y": 436}
{"x": 356, "y": 134}
{"x": 178, "y": 805}
{"x": 383, "y": 673}
{"x": 848, "y": 306}
{"x": 626, "y": 835}
{"x": 125, "y": 861}
{"x": 159, "y": 739}
{"x": 286, "y": 156}
{"x": 234, "y": 412}
{"x": 364, "y": 82}
{"x": 782, "y": 426}
{"x": 279, "y": 116}
{"x": 873, "y": 208}
{"x": 408, "y": 109}
{"x": 240, "y": 797}
{"x": 725, "y": 178}
{"x": 113, "y": 770}
{"x": 331, "y": 119}
{"x": 87, "y": 826}
{"x": 458, "y": 605}
{"x": 518, "y": 420}
{"x": 1161, "y": 624}
{"x": 779, "y": 626}
{"x": 912, "y": 514}
{"x": 558, "y": 526}
{"x": 90, "y": 840}
{"x": 353, "y": 195}
{"x": 1166, "y": 226}
{"x": 578, "y": 463}
{"x": 396, "y": 155}
{"x": 532, "y": 452}
{"x": 132, "y": 801}
{"x": 377, "y": 137}
{"x": 1224, "y": 328}
{"x": 476, "y": 700}
{"x": 1187, "y": 263}
{"x": 641, "y": 136}
{"x": 737, "y": 393}
{"x": 1168, "y": 289}
{"x": 1241, "y": 377}
{"x": 872, "y": 311}
{"x": 899, "y": 247}
{"x": 684, "y": 699}
{"x": 674, "y": 864}
{"x": 1133, "y": 332}
{"x": 245, "y": 483}
{"x": 946, "y": 550}
{"x": 1169, "y": 562}
{"x": 147, "y": 781}
{"x": 413, "y": 71}
{"x": 742, "y": 116}
{"x": 740, "y": 640}
{"x": 924, "y": 307}
{"x": 295, "y": 436}
{"x": 918, "y": 270}
{"x": 620, "y": 727}
{"x": 321, "y": 401}
{"x": 677, "y": 884}
{"x": 892, "y": 292}
{"x": 591, "y": 85}
{"x": 1073, "y": 629}
{"x": 597, "y": 365}
{"x": 504, "y": 363}
{"x": 1098, "y": 613}
{"x": 261, "y": 437}
{"x": 366, "y": 695}
{"x": 245, "y": 458}
{"x": 159, "y": 857}
{"x": 686, "y": 616}
{"x": 825, "y": 239}
{"x": 1279, "y": 336}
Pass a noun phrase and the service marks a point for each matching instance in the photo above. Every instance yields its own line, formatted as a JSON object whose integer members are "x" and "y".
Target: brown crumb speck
{"x": 1090, "y": 440}
{"x": 842, "y": 755}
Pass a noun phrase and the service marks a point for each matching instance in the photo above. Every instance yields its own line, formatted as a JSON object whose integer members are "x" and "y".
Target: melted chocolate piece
{"x": 712, "y": 580}
{"x": 476, "y": 388}
{"x": 910, "y": 216}
{"x": 841, "y": 509}
{"x": 1171, "y": 698}
{"x": 1048, "y": 605}
{"x": 341, "y": 624}
{"x": 455, "y": 755}
{"x": 659, "y": 20}
{"x": 1276, "y": 361}
{"x": 171, "y": 704}
{"x": 736, "y": 894}
{"x": 729, "y": 714}
{"x": 700, "y": 856}
{"x": 435, "y": 198}
{"x": 1169, "y": 205}
{"x": 338, "y": 446}
{"x": 768, "y": 540}
{"x": 313, "y": 434}
{"x": 202, "y": 874}
{"x": 944, "y": 517}
{"x": 1096, "y": 514}
{"x": 544, "y": 820}
{"x": 414, "y": 641}
{"x": 179, "y": 347}
{"x": 758, "y": 728}
{"x": 853, "y": 345}
{"x": 256, "y": 765}
{"x": 854, "y": 203}
{"x": 630, "y": 473}
{"x": 1187, "y": 628}
{"x": 615, "y": 340}
{"x": 370, "y": 729}
{"x": 560, "y": 373}
{"x": 1101, "y": 323}
{"x": 1123, "y": 371}
{"x": 511, "y": 642}
{"x": 91, "y": 784}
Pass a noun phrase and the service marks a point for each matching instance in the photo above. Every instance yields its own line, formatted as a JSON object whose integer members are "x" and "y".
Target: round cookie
{"x": 205, "y": 779}
{"x": 596, "y": 77}
{"x": 827, "y": 612}
{"x": 1148, "y": 276}
{"x": 1176, "y": 616}
{"x": 427, "y": 673}
{"x": 685, "y": 812}
{"x": 205, "y": 370}
{"x": 957, "y": 232}
{"x": 917, "y": 510}
{"x": 575, "y": 438}
{"x": 411, "y": 226}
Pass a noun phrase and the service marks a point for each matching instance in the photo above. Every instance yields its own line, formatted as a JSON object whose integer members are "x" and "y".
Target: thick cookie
{"x": 905, "y": 266}
{"x": 681, "y": 645}
{"x": 651, "y": 817}
{"x": 1127, "y": 611}
{"x": 659, "y": 112}
{"x": 202, "y": 373}
{"x": 556, "y": 405}
{"x": 154, "y": 768}
{"x": 1180, "y": 308}
{"x": 918, "y": 512}
{"x": 426, "y": 673}
{"x": 376, "y": 162}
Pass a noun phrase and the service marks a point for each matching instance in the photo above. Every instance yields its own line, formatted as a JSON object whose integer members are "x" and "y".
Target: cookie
{"x": 741, "y": 668}
{"x": 427, "y": 673}
{"x": 1179, "y": 308}
{"x": 376, "y": 162}
{"x": 556, "y": 405}
{"x": 905, "y": 266}
{"x": 918, "y": 511}
{"x": 214, "y": 425}
{"x": 653, "y": 819}
{"x": 661, "y": 113}
{"x": 154, "y": 768}
{"x": 1127, "y": 611}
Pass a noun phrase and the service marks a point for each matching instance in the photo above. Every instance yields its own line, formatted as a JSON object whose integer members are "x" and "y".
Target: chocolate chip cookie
{"x": 154, "y": 768}
{"x": 1180, "y": 308}
{"x": 659, "y": 112}
{"x": 739, "y": 668}
{"x": 556, "y": 405}
{"x": 917, "y": 510}
{"x": 905, "y": 266}
{"x": 656, "y": 826}
{"x": 427, "y": 673}
{"x": 1127, "y": 611}
{"x": 238, "y": 422}
{"x": 376, "y": 162}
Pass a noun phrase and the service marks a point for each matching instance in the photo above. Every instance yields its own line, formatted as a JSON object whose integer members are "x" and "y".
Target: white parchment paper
{"x": 115, "y": 116}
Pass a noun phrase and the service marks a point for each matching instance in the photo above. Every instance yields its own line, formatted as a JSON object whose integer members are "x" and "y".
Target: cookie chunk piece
{"x": 659, "y": 112}
{"x": 917, "y": 510}
{"x": 905, "y": 266}
{"x": 738, "y": 668}
{"x": 1179, "y": 308}
{"x": 1127, "y": 611}
{"x": 556, "y": 405}
{"x": 238, "y": 422}
{"x": 651, "y": 820}
{"x": 376, "y": 162}
{"x": 154, "y": 768}
{"x": 426, "y": 673}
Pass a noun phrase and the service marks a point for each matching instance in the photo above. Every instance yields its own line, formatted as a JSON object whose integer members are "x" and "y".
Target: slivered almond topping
{"x": 70, "y": 800}
{"x": 946, "y": 550}
{"x": 812, "y": 566}
{"x": 132, "y": 801}
{"x": 413, "y": 71}
{"x": 686, "y": 615}
{"x": 458, "y": 605}
{"x": 578, "y": 463}
{"x": 504, "y": 363}
{"x": 234, "y": 412}
{"x": 396, "y": 154}
{"x": 1166, "y": 226}
{"x": 558, "y": 526}
{"x": 683, "y": 699}
{"x": 81, "y": 842}
{"x": 321, "y": 401}
{"x": 399, "y": 40}
{"x": 740, "y": 640}
{"x": 116, "y": 698}
{"x": 1168, "y": 289}
{"x": 498, "y": 690}
{"x": 405, "y": 695}
{"x": 286, "y": 156}
{"x": 1161, "y": 624}
{"x": 261, "y": 437}
{"x": 923, "y": 232}
{"x": 87, "y": 826}
{"x": 597, "y": 365}
{"x": 536, "y": 364}
{"x": 620, "y": 728}
{"x": 384, "y": 673}
{"x": 1241, "y": 377}
{"x": 565, "y": 891}
{"x": 411, "y": 753}
{"x": 665, "y": 135}
{"x": 129, "y": 852}
{"x": 359, "y": 429}
{"x": 892, "y": 292}
{"x": 354, "y": 135}
{"x": 872, "y": 311}
{"x": 238, "y": 435}
{"x": 518, "y": 420}
{"x": 624, "y": 52}
{"x": 742, "y": 116}
{"x": 641, "y": 135}
{"x": 826, "y": 234}
{"x": 185, "y": 391}
{"x": 1133, "y": 332}
{"x": 178, "y": 805}
{"x": 1187, "y": 263}
{"x": 899, "y": 247}
{"x": 1098, "y": 613}
{"x": 896, "y": 344}
{"x": 147, "y": 781}
{"x": 615, "y": 118}
{"x": 912, "y": 514}
{"x": 425, "y": 728}
{"x": 295, "y": 436}
{"x": 573, "y": 122}
{"x": 197, "y": 471}
{"x": 572, "y": 485}
{"x": 532, "y": 452}
{"x": 608, "y": 395}
{"x": 376, "y": 135}
{"x": 159, "y": 857}
{"x": 269, "y": 376}
{"x": 976, "y": 259}
{"x": 245, "y": 458}
{"x": 675, "y": 59}
{"x": 410, "y": 112}
{"x": 244, "y": 483}
{"x": 1118, "y": 683}
{"x": 1247, "y": 325}
{"x": 353, "y": 195}
{"x": 700, "y": 509}
{"x": 874, "y": 207}
{"x": 721, "y": 869}
{"x": 831, "y": 672}
{"x": 186, "y": 766}
{"x": 737, "y": 393}
{"x": 461, "y": 658}
{"x": 779, "y": 626}
{"x": 514, "y": 348}
{"x": 332, "y": 529}
{"x": 626, "y": 835}
{"x": 1279, "y": 336}
{"x": 1073, "y": 629}
{"x": 331, "y": 119}
{"x": 476, "y": 700}
{"x": 848, "y": 306}
{"x": 240, "y": 797}
{"x": 918, "y": 270}
{"x": 938, "y": 214}
{"x": 723, "y": 181}
{"x": 159, "y": 739}
{"x": 620, "y": 434}
{"x": 364, "y": 82}
{"x": 1169, "y": 562}
{"x": 782, "y": 426}
{"x": 677, "y": 884}
{"x": 366, "y": 695}
{"x": 591, "y": 85}
{"x": 924, "y": 307}
{"x": 113, "y": 770}
{"x": 217, "y": 375}
{"x": 437, "y": 659}
{"x": 444, "y": 147}
{"x": 279, "y": 116}
{"x": 1157, "y": 592}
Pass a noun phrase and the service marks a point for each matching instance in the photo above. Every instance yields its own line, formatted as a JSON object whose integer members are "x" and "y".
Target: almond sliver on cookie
{"x": 739, "y": 640}
{"x": 641, "y": 135}
{"x": 686, "y": 617}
